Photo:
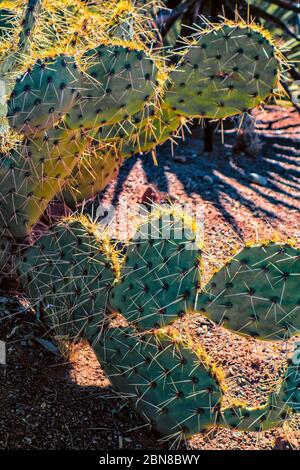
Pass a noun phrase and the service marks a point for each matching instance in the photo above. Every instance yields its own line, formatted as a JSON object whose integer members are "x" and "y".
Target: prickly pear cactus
{"x": 117, "y": 83}
{"x": 98, "y": 166}
{"x": 255, "y": 293}
{"x": 161, "y": 272}
{"x": 81, "y": 281}
{"x": 225, "y": 70}
{"x": 175, "y": 389}
{"x": 44, "y": 94}
{"x": 68, "y": 274}
{"x": 32, "y": 174}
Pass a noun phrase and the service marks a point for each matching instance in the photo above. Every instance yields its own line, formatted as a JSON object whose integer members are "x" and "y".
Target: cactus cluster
{"x": 83, "y": 91}
{"x": 80, "y": 281}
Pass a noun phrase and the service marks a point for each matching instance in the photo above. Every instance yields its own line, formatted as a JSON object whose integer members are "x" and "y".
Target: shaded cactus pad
{"x": 175, "y": 389}
{"x": 69, "y": 272}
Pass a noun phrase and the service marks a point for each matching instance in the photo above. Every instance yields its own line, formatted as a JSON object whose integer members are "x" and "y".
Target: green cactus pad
{"x": 32, "y": 174}
{"x": 98, "y": 166}
{"x": 224, "y": 72}
{"x": 161, "y": 272}
{"x": 116, "y": 133}
{"x": 117, "y": 83}
{"x": 155, "y": 131}
{"x": 256, "y": 293}
{"x": 44, "y": 94}
{"x": 174, "y": 389}
{"x": 68, "y": 272}
{"x": 272, "y": 415}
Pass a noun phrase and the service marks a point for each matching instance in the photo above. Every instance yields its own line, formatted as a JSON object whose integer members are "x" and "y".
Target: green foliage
{"x": 68, "y": 273}
{"x": 255, "y": 293}
{"x": 224, "y": 72}
{"x": 161, "y": 272}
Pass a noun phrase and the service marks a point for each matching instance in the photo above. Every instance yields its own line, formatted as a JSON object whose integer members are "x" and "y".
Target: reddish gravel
{"x": 48, "y": 404}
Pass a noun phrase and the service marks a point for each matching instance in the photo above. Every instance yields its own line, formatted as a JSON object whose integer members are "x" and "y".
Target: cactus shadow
{"x": 223, "y": 179}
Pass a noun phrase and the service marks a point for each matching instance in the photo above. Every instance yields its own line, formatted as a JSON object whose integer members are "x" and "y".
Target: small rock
{"x": 28, "y": 440}
{"x": 258, "y": 179}
{"x": 282, "y": 444}
{"x": 208, "y": 179}
{"x": 151, "y": 196}
{"x": 180, "y": 159}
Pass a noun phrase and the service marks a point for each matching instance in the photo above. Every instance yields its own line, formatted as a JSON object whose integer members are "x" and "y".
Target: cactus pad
{"x": 161, "y": 273}
{"x": 98, "y": 166}
{"x": 175, "y": 389}
{"x": 44, "y": 94}
{"x": 255, "y": 293}
{"x": 32, "y": 174}
{"x": 69, "y": 272}
{"x": 117, "y": 83}
{"x": 225, "y": 71}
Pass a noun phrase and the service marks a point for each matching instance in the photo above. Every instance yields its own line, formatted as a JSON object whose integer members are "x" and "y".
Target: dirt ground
{"x": 48, "y": 403}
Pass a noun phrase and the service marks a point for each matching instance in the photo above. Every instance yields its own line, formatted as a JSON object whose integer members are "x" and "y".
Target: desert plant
{"x": 81, "y": 92}
{"x": 81, "y": 281}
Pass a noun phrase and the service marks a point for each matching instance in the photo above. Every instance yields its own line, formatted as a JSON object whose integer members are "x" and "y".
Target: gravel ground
{"x": 48, "y": 403}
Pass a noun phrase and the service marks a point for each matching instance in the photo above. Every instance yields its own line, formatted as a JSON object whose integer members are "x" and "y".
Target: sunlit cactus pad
{"x": 161, "y": 272}
{"x": 175, "y": 389}
{"x": 257, "y": 292}
{"x": 68, "y": 273}
{"x": 32, "y": 174}
{"x": 98, "y": 166}
{"x": 225, "y": 71}
{"x": 44, "y": 94}
{"x": 118, "y": 81}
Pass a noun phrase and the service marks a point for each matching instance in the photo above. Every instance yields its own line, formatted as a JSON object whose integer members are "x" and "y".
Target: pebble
{"x": 208, "y": 179}
{"x": 258, "y": 179}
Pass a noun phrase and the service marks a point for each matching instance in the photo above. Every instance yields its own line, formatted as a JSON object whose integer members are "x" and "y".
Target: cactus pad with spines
{"x": 69, "y": 272}
{"x": 225, "y": 71}
{"x": 257, "y": 292}
{"x": 98, "y": 166}
{"x": 155, "y": 131}
{"x": 175, "y": 390}
{"x": 32, "y": 174}
{"x": 117, "y": 83}
{"x": 44, "y": 94}
{"x": 161, "y": 272}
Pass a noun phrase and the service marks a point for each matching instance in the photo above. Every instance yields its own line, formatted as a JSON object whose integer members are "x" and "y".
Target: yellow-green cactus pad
{"x": 118, "y": 81}
{"x": 225, "y": 71}
{"x": 68, "y": 273}
{"x": 32, "y": 174}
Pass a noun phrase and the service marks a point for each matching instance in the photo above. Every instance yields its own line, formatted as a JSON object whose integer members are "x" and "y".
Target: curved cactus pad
{"x": 32, "y": 174}
{"x": 98, "y": 166}
{"x": 174, "y": 389}
{"x": 224, "y": 72}
{"x": 117, "y": 83}
{"x": 44, "y": 94}
{"x": 161, "y": 273}
{"x": 257, "y": 293}
{"x": 69, "y": 272}
{"x": 155, "y": 131}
